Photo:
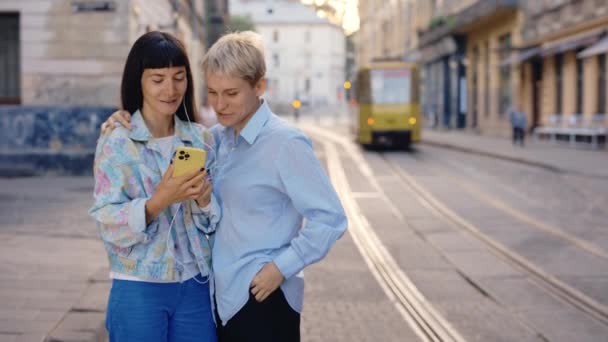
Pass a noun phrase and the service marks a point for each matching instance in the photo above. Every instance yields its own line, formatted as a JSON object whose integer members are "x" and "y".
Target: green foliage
{"x": 241, "y": 23}
{"x": 436, "y": 22}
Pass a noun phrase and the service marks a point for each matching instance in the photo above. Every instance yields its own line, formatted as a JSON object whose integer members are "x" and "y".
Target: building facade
{"x": 305, "y": 54}
{"x": 563, "y": 62}
{"x": 61, "y": 64}
{"x": 386, "y": 28}
{"x": 442, "y": 57}
{"x": 479, "y": 58}
{"x": 73, "y": 52}
{"x": 413, "y": 30}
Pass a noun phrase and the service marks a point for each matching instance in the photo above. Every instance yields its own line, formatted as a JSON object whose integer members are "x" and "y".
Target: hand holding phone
{"x": 188, "y": 159}
{"x": 173, "y": 188}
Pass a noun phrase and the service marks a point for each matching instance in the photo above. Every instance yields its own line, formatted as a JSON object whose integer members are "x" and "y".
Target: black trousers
{"x": 518, "y": 135}
{"x": 272, "y": 320}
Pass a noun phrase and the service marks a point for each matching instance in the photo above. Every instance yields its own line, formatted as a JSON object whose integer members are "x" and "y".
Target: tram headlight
{"x": 412, "y": 120}
{"x": 371, "y": 121}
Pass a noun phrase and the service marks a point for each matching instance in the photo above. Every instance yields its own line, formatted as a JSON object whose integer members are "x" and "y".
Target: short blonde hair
{"x": 237, "y": 54}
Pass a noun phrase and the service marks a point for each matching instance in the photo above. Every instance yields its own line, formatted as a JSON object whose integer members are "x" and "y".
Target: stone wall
{"x": 38, "y": 140}
{"x": 70, "y": 57}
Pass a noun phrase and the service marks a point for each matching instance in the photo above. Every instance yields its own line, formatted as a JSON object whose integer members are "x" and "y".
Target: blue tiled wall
{"x": 49, "y": 140}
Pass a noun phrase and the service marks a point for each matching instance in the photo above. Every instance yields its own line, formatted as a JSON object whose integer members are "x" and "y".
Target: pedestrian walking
{"x": 156, "y": 228}
{"x": 268, "y": 181}
{"x": 518, "y": 121}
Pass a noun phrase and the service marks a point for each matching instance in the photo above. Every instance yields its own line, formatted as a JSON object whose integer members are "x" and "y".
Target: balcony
{"x": 483, "y": 11}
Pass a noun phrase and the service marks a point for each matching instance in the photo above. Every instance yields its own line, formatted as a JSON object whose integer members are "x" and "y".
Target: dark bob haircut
{"x": 155, "y": 50}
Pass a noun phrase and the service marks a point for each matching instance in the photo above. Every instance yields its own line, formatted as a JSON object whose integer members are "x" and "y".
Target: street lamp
{"x": 296, "y": 104}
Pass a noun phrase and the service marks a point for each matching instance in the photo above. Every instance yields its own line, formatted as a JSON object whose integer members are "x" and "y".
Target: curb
{"x": 497, "y": 156}
{"x": 85, "y": 322}
{"x": 524, "y": 161}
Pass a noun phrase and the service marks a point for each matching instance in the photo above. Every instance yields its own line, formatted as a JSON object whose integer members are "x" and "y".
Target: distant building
{"x": 305, "y": 54}
{"x": 216, "y": 17}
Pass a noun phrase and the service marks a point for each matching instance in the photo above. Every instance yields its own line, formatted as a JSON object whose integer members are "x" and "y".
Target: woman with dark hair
{"x": 157, "y": 229}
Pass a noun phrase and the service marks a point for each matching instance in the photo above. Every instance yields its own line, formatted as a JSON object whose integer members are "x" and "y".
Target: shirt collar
{"x": 253, "y": 128}
{"x": 140, "y": 132}
{"x": 183, "y": 130}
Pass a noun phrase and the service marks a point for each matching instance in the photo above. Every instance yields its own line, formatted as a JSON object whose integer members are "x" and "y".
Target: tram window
{"x": 391, "y": 86}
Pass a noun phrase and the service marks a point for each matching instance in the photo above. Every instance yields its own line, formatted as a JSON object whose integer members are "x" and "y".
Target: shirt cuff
{"x": 206, "y": 210}
{"x": 289, "y": 263}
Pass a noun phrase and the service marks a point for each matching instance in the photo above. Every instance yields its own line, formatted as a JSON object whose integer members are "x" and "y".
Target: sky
{"x": 346, "y": 12}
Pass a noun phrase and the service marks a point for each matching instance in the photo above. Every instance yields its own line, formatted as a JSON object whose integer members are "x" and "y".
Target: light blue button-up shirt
{"x": 268, "y": 180}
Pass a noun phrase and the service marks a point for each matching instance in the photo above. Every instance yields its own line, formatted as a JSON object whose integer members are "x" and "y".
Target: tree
{"x": 241, "y": 23}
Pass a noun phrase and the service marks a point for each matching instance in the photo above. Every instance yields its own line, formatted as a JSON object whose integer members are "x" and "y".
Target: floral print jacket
{"x": 128, "y": 167}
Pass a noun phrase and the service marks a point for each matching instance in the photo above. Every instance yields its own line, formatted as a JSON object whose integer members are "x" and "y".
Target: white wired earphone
{"x": 210, "y": 148}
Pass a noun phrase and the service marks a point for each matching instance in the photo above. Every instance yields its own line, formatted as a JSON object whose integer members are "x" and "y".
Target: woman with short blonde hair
{"x": 239, "y": 55}
{"x": 268, "y": 182}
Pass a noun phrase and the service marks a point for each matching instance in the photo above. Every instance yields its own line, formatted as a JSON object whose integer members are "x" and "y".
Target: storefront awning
{"x": 521, "y": 56}
{"x": 571, "y": 43}
{"x": 595, "y": 49}
{"x": 444, "y": 47}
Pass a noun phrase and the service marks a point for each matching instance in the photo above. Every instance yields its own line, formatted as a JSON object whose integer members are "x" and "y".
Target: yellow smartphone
{"x": 188, "y": 159}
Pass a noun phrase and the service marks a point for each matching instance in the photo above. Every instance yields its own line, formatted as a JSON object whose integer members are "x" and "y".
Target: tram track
{"x": 420, "y": 315}
{"x": 544, "y": 280}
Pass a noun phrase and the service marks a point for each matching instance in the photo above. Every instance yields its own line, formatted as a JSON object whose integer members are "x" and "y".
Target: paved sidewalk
{"x": 54, "y": 279}
{"x": 537, "y": 153}
{"x": 53, "y": 275}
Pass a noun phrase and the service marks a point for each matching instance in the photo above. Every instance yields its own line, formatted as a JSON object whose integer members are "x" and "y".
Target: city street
{"x": 488, "y": 223}
{"x": 442, "y": 246}
{"x": 503, "y": 251}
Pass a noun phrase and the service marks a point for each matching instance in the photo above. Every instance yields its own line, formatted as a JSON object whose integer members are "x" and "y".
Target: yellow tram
{"x": 389, "y": 110}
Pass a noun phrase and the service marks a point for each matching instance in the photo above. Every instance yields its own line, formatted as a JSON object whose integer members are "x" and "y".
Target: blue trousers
{"x": 160, "y": 312}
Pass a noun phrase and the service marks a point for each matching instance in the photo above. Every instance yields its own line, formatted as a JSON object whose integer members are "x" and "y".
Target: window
{"x": 307, "y": 85}
{"x": 307, "y": 59}
{"x": 10, "y": 82}
{"x": 580, "y": 85}
{"x": 391, "y": 86}
{"x": 559, "y": 69}
{"x": 601, "y": 84}
{"x": 275, "y": 36}
{"x": 504, "y": 88}
{"x": 275, "y": 87}
{"x": 307, "y": 36}
{"x": 275, "y": 60}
